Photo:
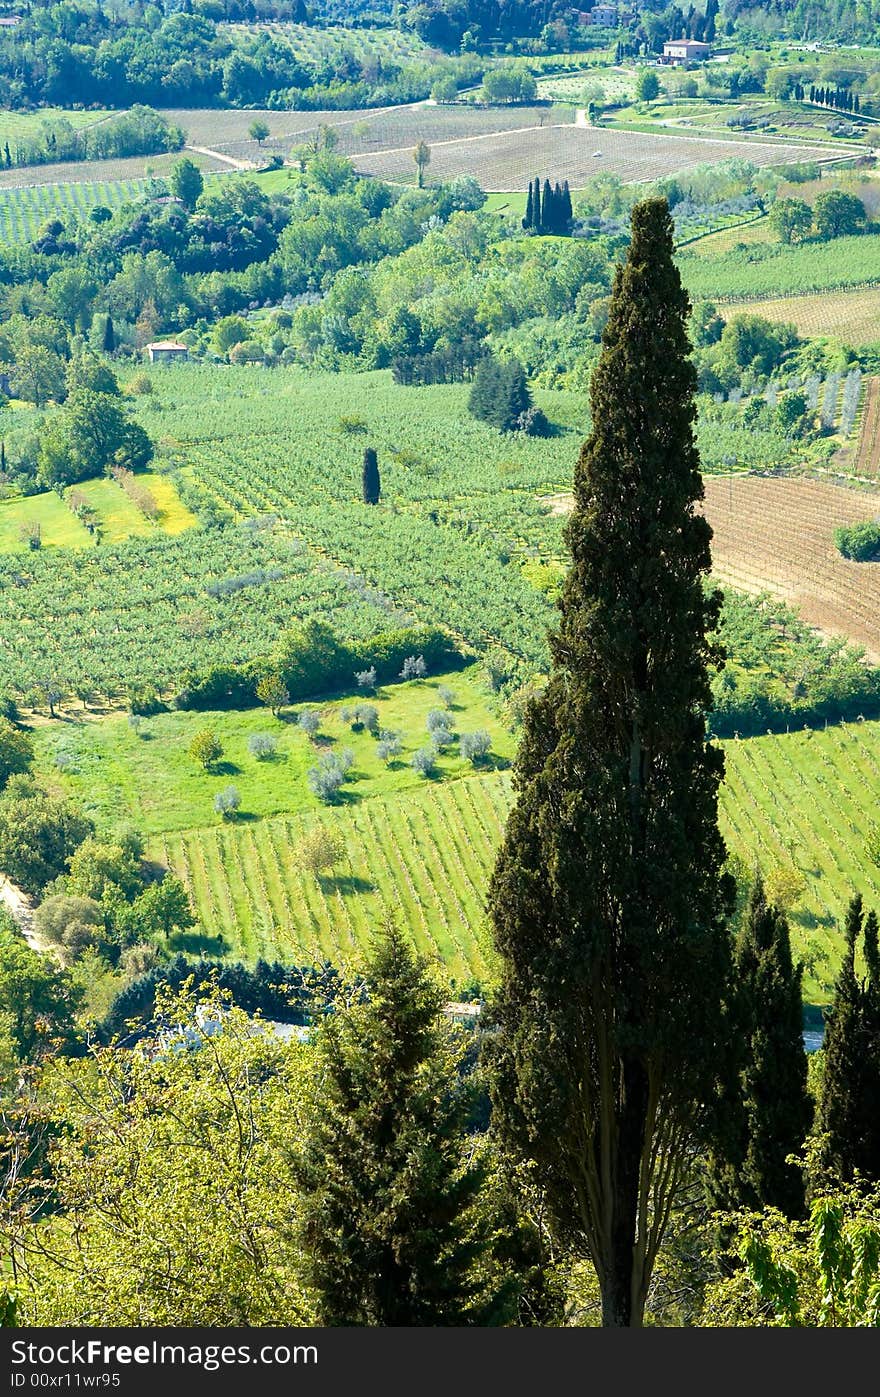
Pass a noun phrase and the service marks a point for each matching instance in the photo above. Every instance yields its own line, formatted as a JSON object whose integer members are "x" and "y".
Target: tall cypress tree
{"x": 530, "y": 209}
{"x": 608, "y": 900}
{"x": 778, "y": 1107}
{"x": 547, "y": 208}
{"x": 392, "y": 1229}
{"x": 849, "y": 1108}
{"x": 567, "y": 211}
{"x": 109, "y": 342}
{"x": 536, "y": 206}
{"x": 371, "y": 482}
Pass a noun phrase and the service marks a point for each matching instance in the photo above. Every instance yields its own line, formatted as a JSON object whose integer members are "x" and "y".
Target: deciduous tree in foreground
{"x": 608, "y": 899}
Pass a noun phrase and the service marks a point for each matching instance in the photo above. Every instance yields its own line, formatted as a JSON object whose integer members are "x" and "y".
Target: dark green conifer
{"x": 778, "y": 1107}
{"x": 849, "y": 1107}
{"x": 371, "y": 483}
{"x": 567, "y": 211}
{"x": 109, "y": 342}
{"x": 392, "y": 1228}
{"x": 608, "y": 900}
{"x": 547, "y": 208}
{"x": 530, "y": 208}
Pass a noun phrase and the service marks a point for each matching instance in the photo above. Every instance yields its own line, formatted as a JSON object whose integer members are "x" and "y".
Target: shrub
{"x": 206, "y": 748}
{"x": 446, "y": 695}
{"x": 414, "y": 667}
{"x": 366, "y": 678}
{"x": 424, "y": 761}
{"x": 389, "y": 746}
{"x": 309, "y": 721}
{"x": 227, "y": 802}
{"x": 326, "y": 779}
{"x": 320, "y": 849}
{"x": 367, "y": 716}
{"x": 859, "y": 542}
{"x": 350, "y": 423}
{"x": 262, "y": 745}
{"x": 474, "y": 746}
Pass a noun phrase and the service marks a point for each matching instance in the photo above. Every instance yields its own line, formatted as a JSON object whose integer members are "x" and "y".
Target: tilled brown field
{"x": 359, "y": 133}
{"x": 506, "y": 160}
{"x": 777, "y": 535}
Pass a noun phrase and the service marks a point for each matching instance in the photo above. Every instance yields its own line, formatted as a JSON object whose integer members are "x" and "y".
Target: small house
{"x": 167, "y": 351}
{"x": 685, "y": 51}
{"x": 604, "y": 14}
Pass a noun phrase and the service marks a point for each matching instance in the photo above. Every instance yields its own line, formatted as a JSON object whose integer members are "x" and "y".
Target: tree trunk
{"x": 621, "y": 1286}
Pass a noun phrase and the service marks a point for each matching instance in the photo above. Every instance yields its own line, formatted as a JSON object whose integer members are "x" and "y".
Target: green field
{"x": 803, "y": 799}
{"x": 775, "y": 270}
{"x": 461, "y": 512}
{"x": 116, "y": 516}
{"x": 17, "y": 124}
{"x": 22, "y": 211}
{"x": 147, "y": 778}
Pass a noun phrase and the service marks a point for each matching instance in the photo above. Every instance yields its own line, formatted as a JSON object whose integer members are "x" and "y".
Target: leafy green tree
{"x": 258, "y": 130}
{"x": 647, "y": 85}
{"x": 849, "y": 1105}
{"x": 39, "y": 834}
{"x": 206, "y": 748}
{"x": 422, "y": 157}
{"x": 186, "y": 182}
{"x": 823, "y": 1275}
{"x": 320, "y": 849}
{"x": 791, "y": 220}
{"x": 161, "y": 910}
{"x": 38, "y": 375}
{"x": 371, "y": 481}
{"x": 38, "y": 1001}
{"x": 391, "y": 1227}
{"x": 98, "y": 866}
{"x": 272, "y": 691}
{"x": 70, "y": 922}
{"x": 608, "y": 900}
{"x": 838, "y": 215}
{"x": 204, "y": 1234}
{"x": 16, "y": 751}
{"x": 88, "y": 436}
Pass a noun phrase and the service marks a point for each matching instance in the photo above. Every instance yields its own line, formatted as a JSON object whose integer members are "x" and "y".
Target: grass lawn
{"x": 800, "y": 802}
{"x": 147, "y": 778}
{"x": 59, "y": 528}
{"x": 118, "y": 517}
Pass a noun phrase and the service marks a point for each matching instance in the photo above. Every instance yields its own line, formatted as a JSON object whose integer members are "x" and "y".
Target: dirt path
{"x": 227, "y": 159}
{"x": 20, "y": 907}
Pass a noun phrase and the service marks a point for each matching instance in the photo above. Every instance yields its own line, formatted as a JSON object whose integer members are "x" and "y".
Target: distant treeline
{"x": 140, "y": 131}
{"x": 286, "y": 993}
{"x": 457, "y": 364}
{"x": 311, "y": 660}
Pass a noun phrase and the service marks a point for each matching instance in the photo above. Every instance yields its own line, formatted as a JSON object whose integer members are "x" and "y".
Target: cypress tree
{"x": 567, "y": 211}
{"x": 371, "y": 481}
{"x": 778, "y": 1107}
{"x": 607, "y": 900}
{"x": 392, "y": 1230}
{"x": 530, "y": 209}
{"x": 547, "y": 208}
{"x": 849, "y": 1108}
{"x": 109, "y": 342}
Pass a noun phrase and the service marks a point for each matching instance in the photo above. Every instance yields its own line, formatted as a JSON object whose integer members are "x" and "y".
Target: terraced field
{"x": 777, "y": 535}
{"x": 850, "y": 316}
{"x": 359, "y": 133}
{"x": 867, "y": 462}
{"x": 801, "y": 800}
{"x": 116, "y": 516}
{"x": 506, "y": 160}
